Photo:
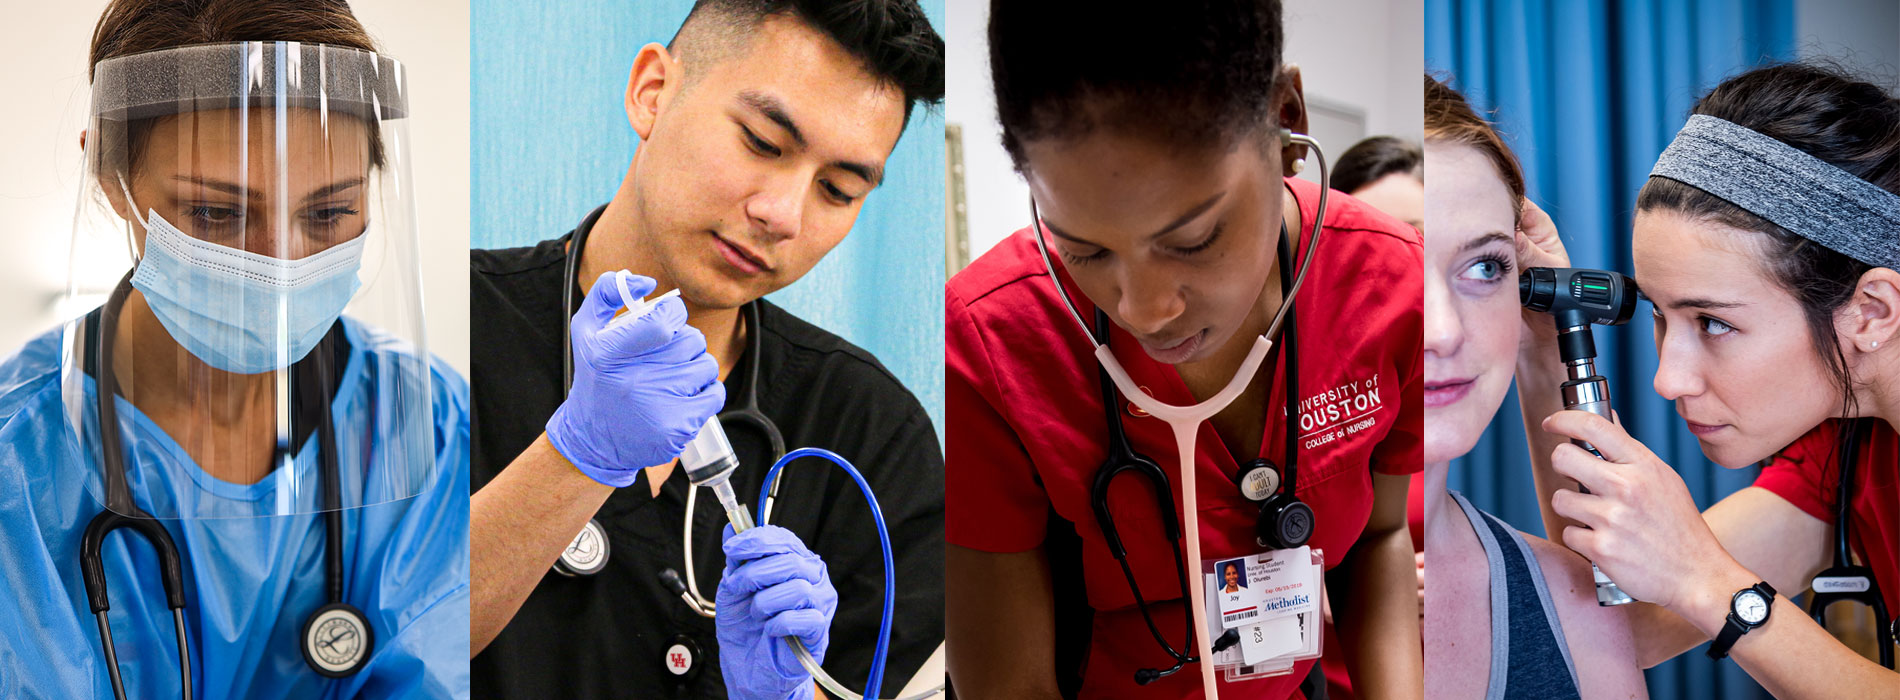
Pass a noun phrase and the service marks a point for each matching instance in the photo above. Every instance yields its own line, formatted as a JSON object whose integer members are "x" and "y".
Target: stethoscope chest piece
{"x": 337, "y": 640}
{"x": 587, "y": 554}
{"x": 1284, "y": 523}
{"x": 1258, "y": 480}
{"x": 682, "y": 658}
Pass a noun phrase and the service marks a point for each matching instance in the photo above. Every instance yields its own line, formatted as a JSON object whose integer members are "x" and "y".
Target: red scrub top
{"x": 1025, "y": 431}
{"x": 1807, "y": 473}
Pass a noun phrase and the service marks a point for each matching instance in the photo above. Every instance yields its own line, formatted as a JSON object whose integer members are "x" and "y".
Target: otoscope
{"x": 1578, "y": 297}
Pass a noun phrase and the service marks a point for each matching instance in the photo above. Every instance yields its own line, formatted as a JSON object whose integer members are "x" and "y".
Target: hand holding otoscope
{"x": 1577, "y": 298}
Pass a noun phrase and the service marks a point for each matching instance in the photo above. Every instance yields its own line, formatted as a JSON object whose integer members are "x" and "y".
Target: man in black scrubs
{"x": 762, "y": 126}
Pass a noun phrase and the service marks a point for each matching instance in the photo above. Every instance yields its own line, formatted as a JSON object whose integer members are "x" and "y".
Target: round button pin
{"x": 1259, "y": 479}
{"x": 1137, "y": 411}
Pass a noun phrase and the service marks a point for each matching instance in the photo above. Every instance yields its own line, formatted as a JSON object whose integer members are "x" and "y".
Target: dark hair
{"x": 893, "y": 38}
{"x": 1197, "y": 71}
{"x": 1826, "y": 113}
{"x": 1374, "y": 158}
{"x": 135, "y": 26}
{"x": 1450, "y": 119}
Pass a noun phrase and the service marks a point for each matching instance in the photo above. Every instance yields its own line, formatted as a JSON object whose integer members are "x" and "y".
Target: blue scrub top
{"x": 250, "y": 582}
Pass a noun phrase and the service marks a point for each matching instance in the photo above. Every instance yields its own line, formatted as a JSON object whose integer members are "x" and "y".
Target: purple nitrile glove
{"x": 642, "y": 388}
{"x": 773, "y": 587}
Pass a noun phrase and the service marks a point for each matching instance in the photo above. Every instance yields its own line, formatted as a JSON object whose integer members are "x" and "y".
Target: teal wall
{"x": 549, "y": 141}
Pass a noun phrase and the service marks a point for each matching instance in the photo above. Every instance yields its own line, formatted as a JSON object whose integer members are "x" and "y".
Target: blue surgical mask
{"x": 236, "y": 310}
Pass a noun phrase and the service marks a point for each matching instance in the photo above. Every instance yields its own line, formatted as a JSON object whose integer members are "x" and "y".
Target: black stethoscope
{"x": 1283, "y": 522}
{"x": 337, "y": 638}
{"x": 587, "y": 554}
{"x": 1846, "y": 581}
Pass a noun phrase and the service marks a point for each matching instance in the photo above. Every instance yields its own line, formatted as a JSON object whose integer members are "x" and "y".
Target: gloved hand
{"x": 773, "y": 587}
{"x": 641, "y": 389}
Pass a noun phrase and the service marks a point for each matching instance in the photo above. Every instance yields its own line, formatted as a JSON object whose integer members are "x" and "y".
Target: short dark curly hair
{"x": 1198, "y": 71}
{"x": 1372, "y": 159}
{"x": 893, "y": 38}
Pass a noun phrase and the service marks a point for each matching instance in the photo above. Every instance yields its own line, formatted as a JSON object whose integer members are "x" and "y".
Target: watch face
{"x": 1751, "y": 607}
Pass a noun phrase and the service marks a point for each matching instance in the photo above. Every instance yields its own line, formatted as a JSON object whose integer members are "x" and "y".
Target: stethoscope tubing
{"x": 749, "y": 412}
{"x": 1197, "y": 613}
{"x": 122, "y": 510}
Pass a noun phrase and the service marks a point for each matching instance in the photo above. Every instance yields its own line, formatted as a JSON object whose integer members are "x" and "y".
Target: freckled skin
{"x": 1471, "y": 333}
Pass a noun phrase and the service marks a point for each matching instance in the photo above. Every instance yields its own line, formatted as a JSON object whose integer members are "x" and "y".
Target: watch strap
{"x": 1732, "y": 630}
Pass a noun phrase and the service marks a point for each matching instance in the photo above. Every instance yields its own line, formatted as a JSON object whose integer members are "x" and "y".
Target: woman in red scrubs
{"x": 1164, "y": 190}
{"x": 1763, "y": 331}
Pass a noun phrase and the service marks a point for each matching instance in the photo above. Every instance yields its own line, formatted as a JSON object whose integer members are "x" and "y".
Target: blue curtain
{"x": 1588, "y": 94}
{"x": 550, "y": 141}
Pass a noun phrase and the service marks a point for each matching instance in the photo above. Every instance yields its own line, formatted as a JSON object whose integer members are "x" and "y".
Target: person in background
{"x": 1388, "y": 173}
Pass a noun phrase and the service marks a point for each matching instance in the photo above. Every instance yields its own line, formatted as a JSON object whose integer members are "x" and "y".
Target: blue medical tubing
{"x": 874, "y": 686}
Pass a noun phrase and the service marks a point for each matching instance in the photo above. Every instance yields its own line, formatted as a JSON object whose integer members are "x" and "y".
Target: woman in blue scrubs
{"x": 250, "y": 395}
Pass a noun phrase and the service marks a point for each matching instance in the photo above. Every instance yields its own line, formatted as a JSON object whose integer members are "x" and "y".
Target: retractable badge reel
{"x": 682, "y": 660}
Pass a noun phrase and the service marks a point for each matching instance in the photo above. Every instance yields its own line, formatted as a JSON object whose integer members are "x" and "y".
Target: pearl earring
{"x": 1299, "y": 164}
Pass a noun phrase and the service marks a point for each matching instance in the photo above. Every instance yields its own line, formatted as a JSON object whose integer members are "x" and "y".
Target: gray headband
{"x": 1784, "y": 185}
{"x": 254, "y": 74}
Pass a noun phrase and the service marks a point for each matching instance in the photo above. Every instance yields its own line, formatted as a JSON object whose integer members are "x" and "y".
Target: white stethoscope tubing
{"x": 1186, "y": 420}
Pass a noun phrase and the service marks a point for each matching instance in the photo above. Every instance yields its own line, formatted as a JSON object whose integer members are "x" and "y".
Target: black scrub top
{"x": 607, "y": 636}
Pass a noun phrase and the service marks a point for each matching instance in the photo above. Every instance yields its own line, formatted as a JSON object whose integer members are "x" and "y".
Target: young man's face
{"x": 755, "y": 170}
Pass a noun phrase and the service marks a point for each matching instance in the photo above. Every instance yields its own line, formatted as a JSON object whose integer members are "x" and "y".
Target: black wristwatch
{"x": 1746, "y": 611}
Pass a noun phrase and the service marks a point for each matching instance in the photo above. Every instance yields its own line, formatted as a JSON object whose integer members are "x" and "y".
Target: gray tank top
{"x": 1529, "y": 657}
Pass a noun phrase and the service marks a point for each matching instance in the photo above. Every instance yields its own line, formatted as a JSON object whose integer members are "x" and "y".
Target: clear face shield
{"x": 248, "y": 338}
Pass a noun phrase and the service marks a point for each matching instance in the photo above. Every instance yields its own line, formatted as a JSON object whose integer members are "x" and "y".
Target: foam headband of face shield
{"x": 249, "y": 74}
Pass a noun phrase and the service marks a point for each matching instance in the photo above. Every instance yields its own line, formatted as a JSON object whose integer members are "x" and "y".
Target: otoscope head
{"x": 1579, "y": 295}
{"x": 709, "y": 458}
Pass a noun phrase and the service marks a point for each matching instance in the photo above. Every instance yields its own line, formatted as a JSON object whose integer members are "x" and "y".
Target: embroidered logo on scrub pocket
{"x": 1345, "y": 409}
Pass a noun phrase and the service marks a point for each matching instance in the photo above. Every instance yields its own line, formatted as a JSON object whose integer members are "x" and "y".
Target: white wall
{"x": 1362, "y": 54}
{"x": 43, "y": 46}
{"x": 1863, "y": 35}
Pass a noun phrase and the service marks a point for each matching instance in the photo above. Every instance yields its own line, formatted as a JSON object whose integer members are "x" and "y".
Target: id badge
{"x": 1266, "y": 607}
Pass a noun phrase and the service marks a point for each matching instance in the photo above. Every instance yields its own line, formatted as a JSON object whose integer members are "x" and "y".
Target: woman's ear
{"x": 655, "y": 77}
{"x": 1873, "y": 318}
{"x": 1289, "y": 109}
{"x": 114, "y": 187}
